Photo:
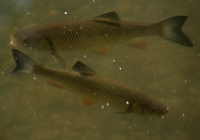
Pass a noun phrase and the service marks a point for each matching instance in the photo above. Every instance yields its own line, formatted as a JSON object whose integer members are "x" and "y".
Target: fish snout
{"x": 13, "y": 41}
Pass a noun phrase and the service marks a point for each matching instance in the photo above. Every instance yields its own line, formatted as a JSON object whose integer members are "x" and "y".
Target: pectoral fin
{"x": 83, "y": 69}
{"x": 110, "y": 17}
{"x": 129, "y": 110}
{"x": 59, "y": 58}
{"x": 124, "y": 112}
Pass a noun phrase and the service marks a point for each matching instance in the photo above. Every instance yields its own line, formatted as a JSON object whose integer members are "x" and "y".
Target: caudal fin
{"x": 24, "y": 63}
{"x": 172, "y": 30}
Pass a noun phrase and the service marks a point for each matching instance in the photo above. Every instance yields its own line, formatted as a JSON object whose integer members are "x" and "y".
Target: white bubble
{"x": 65, "y": 13}
{"x": 127, "y": 102}
{"x": 120, "y": 68}
{"x": 102, "y": 107}
{"x": 34, "y": 78}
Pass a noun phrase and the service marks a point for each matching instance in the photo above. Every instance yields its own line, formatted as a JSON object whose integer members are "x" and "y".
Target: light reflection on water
{"x": 32, "y": 109}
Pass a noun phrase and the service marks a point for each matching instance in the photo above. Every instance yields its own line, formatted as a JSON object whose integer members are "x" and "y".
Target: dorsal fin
{"x": 83, "y": 69}
{"x": 110, "y": 17}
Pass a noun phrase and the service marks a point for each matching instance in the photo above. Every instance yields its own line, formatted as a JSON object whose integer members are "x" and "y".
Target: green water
{"x": 33, "y": 110}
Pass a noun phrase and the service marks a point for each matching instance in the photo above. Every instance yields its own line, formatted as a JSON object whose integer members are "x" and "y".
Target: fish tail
{"x": 24, "y": 63}
{"x": 172, "y": 30}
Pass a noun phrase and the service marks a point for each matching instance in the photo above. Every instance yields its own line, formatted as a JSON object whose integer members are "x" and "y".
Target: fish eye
{"x": 26, "y": 40}
{"x": 153, "y": 110}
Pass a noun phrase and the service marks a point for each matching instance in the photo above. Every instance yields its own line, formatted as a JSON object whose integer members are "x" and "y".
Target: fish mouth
{"x": 13, "y": 41}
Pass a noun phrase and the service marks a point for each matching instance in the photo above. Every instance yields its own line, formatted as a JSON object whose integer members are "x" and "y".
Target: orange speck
{"x": 2, "y": 72}
{"x": 87, "y": 102}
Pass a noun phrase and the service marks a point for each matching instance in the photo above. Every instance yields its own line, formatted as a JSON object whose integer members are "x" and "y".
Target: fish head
{"x": 149, "y": 105}
{"x": 31, "y": 39}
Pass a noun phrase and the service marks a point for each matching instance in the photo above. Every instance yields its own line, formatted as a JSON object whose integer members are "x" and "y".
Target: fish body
{"x": 84, "y": 81}
{"x": 104, "y": 30}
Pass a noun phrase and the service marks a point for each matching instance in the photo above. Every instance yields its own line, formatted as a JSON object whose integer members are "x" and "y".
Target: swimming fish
{"x": 101, "y": 31}
{"x": 82, "y": 80}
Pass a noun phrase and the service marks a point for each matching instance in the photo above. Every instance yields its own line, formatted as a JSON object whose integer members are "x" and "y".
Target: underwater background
{"x": 32, "y": 109}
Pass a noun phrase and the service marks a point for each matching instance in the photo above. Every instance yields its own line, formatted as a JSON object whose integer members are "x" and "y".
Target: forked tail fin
{"x": 172, "y": 30}
{"x": 24, "y": 63}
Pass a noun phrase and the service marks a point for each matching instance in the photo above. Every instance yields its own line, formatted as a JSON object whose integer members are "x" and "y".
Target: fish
{"x": 101, "y": 31}
{"x": 84, "y": 81}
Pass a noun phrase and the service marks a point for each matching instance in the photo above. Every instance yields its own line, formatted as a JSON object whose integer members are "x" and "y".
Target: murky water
{"x": 32, "y": 109}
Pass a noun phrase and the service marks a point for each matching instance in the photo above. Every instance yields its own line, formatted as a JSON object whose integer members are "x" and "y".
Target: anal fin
{"x": 138, "y": 43}
{"x": 54, "y": 84}
{"x": 103, "y": 51}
